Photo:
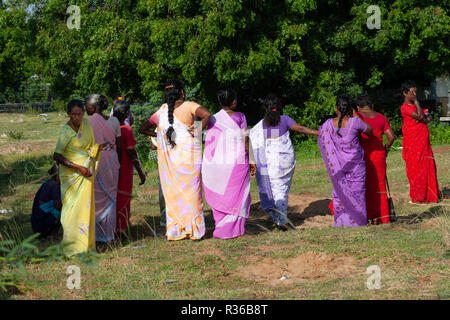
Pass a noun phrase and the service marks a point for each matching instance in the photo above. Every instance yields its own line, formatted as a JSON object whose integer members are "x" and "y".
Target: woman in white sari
{"x": 275, "y": 159}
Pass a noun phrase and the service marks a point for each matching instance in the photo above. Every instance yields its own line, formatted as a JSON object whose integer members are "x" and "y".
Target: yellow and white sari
{"x": 180, "y": 174}
{"x": 77, "y": 191}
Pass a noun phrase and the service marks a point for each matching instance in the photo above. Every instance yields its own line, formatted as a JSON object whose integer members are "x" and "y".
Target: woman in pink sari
{"x": 226, "y": 151}
{"x": 106, "y": 130}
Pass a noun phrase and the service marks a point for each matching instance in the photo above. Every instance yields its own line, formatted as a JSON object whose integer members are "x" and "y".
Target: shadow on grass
{"x": 446, "y": 193}
{"x": 419, "y": 217}
{"x": 8, "y": 292}
{"x": 260, "y": 221}
{"x": 21, "y": 171}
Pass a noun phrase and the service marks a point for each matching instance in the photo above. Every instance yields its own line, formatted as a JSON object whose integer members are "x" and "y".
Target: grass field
{"x": 321, "y": 262}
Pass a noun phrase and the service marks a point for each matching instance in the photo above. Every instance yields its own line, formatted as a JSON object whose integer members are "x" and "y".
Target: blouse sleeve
{"x": 128, "y": 140}
{"x": 193, "y": 107}
{"x": 407, "y": 109}
{"x": 386, "y": 126}
{"x": 289, "y": 121}
{"x": 154, "y": 119}
{"x": 63, "y": 139}
{"x": 360, "y": 126}
{"x": 243, "y": 125}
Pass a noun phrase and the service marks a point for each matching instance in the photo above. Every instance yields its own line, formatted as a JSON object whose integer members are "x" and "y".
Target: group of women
{"x": 97, "y": 157}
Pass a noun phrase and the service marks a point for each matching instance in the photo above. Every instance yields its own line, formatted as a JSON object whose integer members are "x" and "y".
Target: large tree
{"x": 307, "y": 51}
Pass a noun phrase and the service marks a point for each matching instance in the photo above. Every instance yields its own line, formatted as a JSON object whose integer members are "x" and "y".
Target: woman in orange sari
{"x": 179, "y": 162}
{"x": 417, "y": 153}
{"x": 375, "y": 157}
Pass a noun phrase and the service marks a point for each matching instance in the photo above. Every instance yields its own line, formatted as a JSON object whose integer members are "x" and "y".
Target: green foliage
{"x": 305, "y": 51}
{"x": 16, "y": 135}
{"x": 15, "y": 255}
{"x": 439, "y": 134}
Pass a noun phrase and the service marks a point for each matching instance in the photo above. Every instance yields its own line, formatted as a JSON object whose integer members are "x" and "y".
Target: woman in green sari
{"x": 78, "y": 155}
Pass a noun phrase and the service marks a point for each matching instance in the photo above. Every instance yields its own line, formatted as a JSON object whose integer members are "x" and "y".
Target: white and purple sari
{"x": 226, "y": 175}
{"x": 275, "y": 166}
{"x": 344, "y": 159}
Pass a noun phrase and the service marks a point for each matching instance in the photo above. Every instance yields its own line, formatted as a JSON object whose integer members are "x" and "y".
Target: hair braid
{"x": 272, "y": 106}
{"x": 343, "y": 104}
{"x": 173, "y": 92}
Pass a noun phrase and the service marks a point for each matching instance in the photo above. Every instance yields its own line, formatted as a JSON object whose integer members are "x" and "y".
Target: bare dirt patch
{"x": 20, "y": 147}
{"x": 301, "y": 269}
{"x": 303, "y": 210}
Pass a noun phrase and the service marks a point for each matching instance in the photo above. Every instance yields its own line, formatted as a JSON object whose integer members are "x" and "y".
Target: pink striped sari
{"x": 106, "y": 181}
{"x": 226, "y": 176}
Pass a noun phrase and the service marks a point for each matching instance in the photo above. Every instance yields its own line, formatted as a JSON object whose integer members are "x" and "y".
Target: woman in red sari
{"x": 417, "y": 153}
{"x": 375, "y": 157}
{"x": 129, "y": 160}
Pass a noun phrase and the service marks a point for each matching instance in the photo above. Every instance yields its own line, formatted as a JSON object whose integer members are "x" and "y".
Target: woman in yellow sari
{"x": 78, "y": 155}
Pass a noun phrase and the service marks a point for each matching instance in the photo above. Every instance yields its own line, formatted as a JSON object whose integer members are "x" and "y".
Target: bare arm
{"x": 131, "y": 152}
{"x": 59, "y": 158}
{"x": 418, "y": 113}
{"x": 390, "y": 137}
{"x": 146, "y": 129}
{"x": 298, "y": 128}
{"x": 204, "y": 115}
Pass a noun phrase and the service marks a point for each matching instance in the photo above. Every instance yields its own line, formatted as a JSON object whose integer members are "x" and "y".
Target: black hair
{"x": 97, "y": 100}
{"x": 344, "y": 105}
{"x": 364, "y": 100}
{"x": 172, "y": 92}
{"x": 121, "y": 107}
{"x": 75, "y": 104}
{"x": 273, "y": 107}
{"x": 226, "y": 97}
{"x": 407, "y": 85}
{"x": 53, "y": 171}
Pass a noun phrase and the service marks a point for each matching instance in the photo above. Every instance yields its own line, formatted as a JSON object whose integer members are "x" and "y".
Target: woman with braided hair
{"x": 344, "y": 159}
{"x": 275, "y": 159}
{"x": 179, "y": 162}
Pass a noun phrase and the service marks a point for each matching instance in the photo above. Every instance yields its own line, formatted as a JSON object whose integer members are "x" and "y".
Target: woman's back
{"x": 379, "y": 124}
{"x": 347, "y": 144}
{"x": 280, "y": 129}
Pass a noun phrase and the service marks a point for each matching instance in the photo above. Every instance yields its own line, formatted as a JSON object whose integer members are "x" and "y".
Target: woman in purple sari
{"x": 344, "y": 159}
{"x": 226, "y": 169}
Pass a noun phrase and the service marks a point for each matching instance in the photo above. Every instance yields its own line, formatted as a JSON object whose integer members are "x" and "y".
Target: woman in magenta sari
{"x": 226, "y": 152}
{"x": 344, "y": 159}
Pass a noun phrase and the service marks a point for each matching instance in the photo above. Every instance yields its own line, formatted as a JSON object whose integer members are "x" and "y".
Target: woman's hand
{"x": 84, "y": 171}
{"x": 191, "y": 130}
{"x": 142, "y": 177}
{"x": 106, "y": 146}
{"x": 252, "y": 169}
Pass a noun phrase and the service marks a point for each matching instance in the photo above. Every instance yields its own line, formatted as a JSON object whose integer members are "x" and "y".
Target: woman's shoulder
{"x": 239, "y": 114}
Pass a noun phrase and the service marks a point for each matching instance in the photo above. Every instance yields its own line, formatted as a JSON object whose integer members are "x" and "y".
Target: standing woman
{"x": 77, "y": 153}
{"x": 375, "y": 157}
{"x": 275, "y": 159}
{"x": 129, "y": 159}
{"x": 179, "y": 162}
{"x": 344, "y": 159}
{"x": 106, "y": 130}
{"x": 226, "y": 151}
{"x": 417, "y": 153}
